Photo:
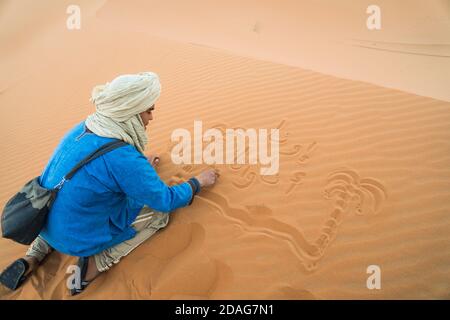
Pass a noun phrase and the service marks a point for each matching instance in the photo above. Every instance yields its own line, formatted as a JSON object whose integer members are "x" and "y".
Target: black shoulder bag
{"x": 25, "y": 214}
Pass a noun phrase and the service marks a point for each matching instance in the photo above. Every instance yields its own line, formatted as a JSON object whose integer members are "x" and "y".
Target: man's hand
{"x": 154, "y": 160}
{"x": 207, "y": 178}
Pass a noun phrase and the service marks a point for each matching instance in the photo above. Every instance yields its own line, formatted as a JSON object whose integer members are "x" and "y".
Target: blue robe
{"x": 94, "y": 210}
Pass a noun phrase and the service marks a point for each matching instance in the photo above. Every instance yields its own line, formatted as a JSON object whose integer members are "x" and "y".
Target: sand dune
{"x": 363, "y": 177}
{"x": 316, "y": 35}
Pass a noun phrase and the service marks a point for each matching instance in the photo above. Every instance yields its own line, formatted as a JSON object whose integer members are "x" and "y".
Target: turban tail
{"x": 118, "y": 105}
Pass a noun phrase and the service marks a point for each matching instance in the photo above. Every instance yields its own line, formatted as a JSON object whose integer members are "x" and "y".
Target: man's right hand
{"x": 207, "y": 178}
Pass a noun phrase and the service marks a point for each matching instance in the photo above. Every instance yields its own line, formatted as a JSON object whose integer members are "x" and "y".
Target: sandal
{"x": 83, "y": 263}
{"x": 15, "y": 274}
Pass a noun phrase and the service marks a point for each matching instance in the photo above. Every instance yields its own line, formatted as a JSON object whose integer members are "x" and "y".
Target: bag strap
{"x": 95, "y": 154}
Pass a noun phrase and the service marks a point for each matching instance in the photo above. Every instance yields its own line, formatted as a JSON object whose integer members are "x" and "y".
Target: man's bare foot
{"x": 92, "y": 271}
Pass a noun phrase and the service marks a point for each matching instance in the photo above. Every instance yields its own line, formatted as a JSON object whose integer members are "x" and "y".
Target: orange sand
{"x": 364, "y": 172}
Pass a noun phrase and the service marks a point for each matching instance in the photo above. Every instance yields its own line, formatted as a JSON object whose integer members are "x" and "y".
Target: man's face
{"x": 146, "y": 116}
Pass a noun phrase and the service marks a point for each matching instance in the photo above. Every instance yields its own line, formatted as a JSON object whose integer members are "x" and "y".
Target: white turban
{"x": 118, "y": 104}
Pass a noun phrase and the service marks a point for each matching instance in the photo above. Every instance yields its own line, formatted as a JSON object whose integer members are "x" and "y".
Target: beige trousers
{"x": 146, "y": 224}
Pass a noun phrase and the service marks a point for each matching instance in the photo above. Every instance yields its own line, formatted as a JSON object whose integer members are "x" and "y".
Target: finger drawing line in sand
{"x": 246, "y": 176}
{"x": 248, "y": 179}
{"x": 283, "y": 141}
{"x": 297, "y": 177}
{"x": 344, "y": 187}
{"x": 306, "y": 154}
{"x": 349, "y": 193}
{"x": 285, "y": 138}
{"x": 213, "y": 146}
{"x": 296, "y": 180}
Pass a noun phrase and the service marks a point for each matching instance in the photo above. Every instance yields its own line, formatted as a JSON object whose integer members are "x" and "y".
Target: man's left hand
{"x": 154, "y": 160}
